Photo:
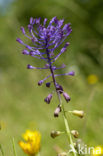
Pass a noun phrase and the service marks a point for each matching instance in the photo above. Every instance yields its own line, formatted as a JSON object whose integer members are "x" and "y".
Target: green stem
{"x": 1, "y": 149}
{"x": 60, "y": 104}
{"x": 13, "y": 143}
{"x": 67, "y": 127}
{"x": 68, "y": 131}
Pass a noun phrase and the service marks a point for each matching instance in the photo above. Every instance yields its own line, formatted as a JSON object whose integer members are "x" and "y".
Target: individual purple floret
{"x": 59, "y": 88}
{"x": 66, "y": 96}
{"x": 57, "y": 111}
{"x": 48, "y": 84}
{"x": 48, "y": 98}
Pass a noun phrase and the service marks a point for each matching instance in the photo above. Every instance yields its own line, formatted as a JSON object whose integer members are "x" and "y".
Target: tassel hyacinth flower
{"x": 45, "y": 39}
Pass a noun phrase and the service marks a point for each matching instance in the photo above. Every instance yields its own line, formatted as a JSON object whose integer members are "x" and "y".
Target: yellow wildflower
{"x": 97, "y": 151}
{"x": 92, "y": 79}
{"x": 31, "y": 146}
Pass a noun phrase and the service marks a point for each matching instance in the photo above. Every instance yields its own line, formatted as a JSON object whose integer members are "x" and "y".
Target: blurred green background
{"x": 22, "y": 101}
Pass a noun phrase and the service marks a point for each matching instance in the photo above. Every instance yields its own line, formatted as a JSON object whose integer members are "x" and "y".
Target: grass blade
{"x": 1, "y": 149}
{"x": 14, "y": 149}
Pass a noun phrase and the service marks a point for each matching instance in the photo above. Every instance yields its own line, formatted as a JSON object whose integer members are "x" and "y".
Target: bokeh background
{"x": 22, "y": 100}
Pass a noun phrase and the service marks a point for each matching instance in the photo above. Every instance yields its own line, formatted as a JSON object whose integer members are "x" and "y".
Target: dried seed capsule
{"x": 55, "y": 134}
{"x": 66, "y": 96}
{"x": 48, "y": 98}
{"x": 57, "y": 111}
{"x": 78, "y": 113}
{"x": 75, "y": 133}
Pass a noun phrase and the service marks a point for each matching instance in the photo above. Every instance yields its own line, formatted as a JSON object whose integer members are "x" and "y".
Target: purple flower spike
{"x": 45, "y": 39}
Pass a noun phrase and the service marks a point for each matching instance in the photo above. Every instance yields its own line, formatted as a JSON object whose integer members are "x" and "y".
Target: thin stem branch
{"x": 60, "y": 104}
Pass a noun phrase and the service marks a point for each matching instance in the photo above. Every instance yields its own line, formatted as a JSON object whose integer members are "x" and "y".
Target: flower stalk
{"x": 67, "y": 129}
{"x": 68, "y": 132}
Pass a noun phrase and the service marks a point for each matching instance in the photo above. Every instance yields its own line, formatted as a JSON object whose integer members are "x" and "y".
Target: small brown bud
{"x": 48, "y": 98}
{"x": 66, "y": 96}
{"x": 57, "y": 111}
{"x": 75, "y": 133}
{"x": 78, "y": 113}
{"x": 55, "y": 134}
